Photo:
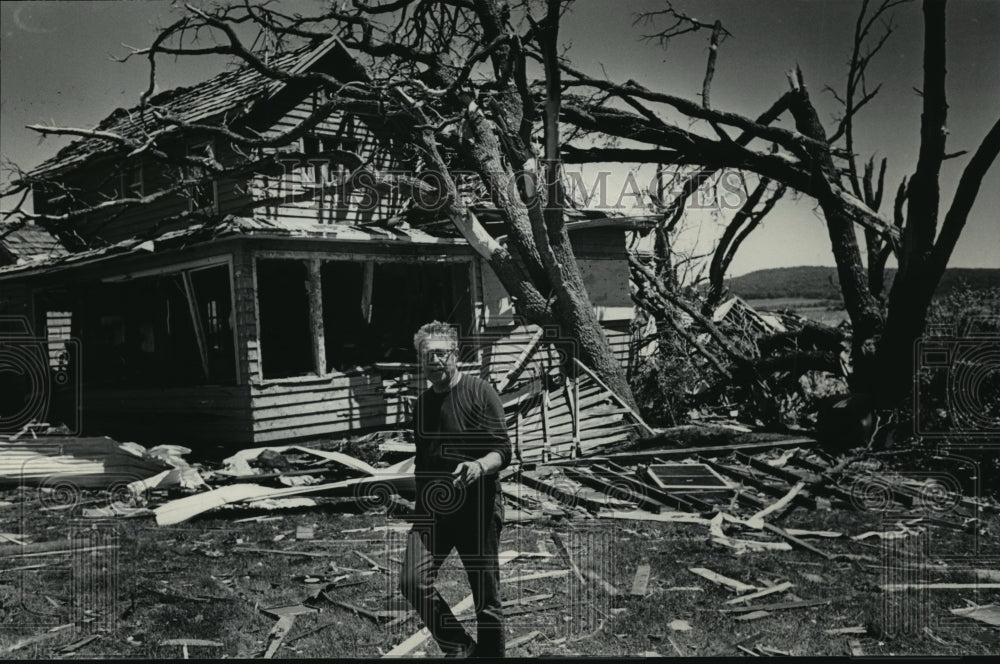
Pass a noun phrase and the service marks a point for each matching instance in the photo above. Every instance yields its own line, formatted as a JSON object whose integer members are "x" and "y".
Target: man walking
{"x": 461, "y": 445}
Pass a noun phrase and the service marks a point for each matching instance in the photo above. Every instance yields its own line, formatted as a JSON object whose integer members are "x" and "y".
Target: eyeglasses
{"x": 439, "y": 354}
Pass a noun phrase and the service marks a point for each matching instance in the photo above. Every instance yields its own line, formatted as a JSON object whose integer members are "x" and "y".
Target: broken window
{"x": 214, "y": 304}
{"x": 371, "y": 310}
{"x": 201, "y": 192}
{"x": 158, "y": 331}
{"x": 286, "y": 346}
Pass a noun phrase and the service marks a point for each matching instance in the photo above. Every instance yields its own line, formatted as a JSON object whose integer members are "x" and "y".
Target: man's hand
{"x": 466, "y": 473}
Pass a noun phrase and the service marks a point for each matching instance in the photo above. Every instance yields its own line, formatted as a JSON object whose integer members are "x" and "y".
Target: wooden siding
{"x": 245, "y": 307}
{"x": 333, "y": 406}
{"x": 297, "y": 197}
{"x": 504, "y": 347}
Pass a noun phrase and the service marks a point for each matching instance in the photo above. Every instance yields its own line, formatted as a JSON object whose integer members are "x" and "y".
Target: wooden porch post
{"x": 316, "y": 315}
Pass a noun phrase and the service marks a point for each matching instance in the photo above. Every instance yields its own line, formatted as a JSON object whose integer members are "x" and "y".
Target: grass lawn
{"x": 192, "y": 581}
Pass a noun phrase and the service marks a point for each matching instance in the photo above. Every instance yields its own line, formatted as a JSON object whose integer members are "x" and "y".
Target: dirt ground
{"x": 125, "y": 588}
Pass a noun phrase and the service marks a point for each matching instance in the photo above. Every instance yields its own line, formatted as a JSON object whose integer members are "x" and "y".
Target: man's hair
{"x": 435, "y": 329}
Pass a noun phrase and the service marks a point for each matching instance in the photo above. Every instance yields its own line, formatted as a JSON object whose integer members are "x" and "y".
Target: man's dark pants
{"x": 476, "y": 536}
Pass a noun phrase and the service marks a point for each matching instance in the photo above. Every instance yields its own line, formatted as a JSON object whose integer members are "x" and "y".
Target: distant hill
{"x": 811, "y": 281}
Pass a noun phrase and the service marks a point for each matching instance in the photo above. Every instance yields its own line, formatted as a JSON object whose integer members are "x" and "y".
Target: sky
{"x": 56, "y": 67}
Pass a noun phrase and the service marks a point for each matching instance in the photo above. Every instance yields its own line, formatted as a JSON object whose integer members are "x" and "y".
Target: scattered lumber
{"x": 557, "y": 540}
{"x": 280, "y": 552}
{"x": 603, "y": 583}
{"x": 371, "y": 562}
{"x": 846, "y": 630}
{"x": 899, "y": 587}
{"x": 802, "y": 544}
{"x": 277, "y": 635}
{"x": 779, "y": 504}
{"x": 753, "y": 615}
{"x": 641, "y": 581}
{"x": 738, "y": 586}
{"x": 760, "y": 593}
{"x": 711, "y": 451}
{"x": 780, "y": 606}
{"x": 290, "y": 610}
{"x": 191, "y": 642}
{"x": 987, "y": 613}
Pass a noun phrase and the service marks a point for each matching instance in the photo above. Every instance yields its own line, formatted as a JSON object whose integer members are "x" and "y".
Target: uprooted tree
{"x": 813, "y": 162}
{"x": 447, "y": 80}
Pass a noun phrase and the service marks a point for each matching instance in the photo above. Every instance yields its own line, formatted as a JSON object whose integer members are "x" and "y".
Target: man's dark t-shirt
{"x": 463, "y": 424}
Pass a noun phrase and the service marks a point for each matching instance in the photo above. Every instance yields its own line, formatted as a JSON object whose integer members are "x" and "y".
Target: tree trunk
{"x": 862, "y": 306}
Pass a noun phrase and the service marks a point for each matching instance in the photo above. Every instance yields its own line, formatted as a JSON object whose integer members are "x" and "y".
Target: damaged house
{"x": 269, "y": 307}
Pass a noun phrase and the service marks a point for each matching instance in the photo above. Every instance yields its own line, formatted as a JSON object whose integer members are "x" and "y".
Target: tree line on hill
{"x": 817, "y": 282}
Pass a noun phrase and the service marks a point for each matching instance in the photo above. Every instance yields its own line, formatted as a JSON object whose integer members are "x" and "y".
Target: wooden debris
{"x": 557, "y": 540}
{"x": 748, "y": 651}
{"x": 599, "y": 580}
{"x": 277, "y": 635}
{"x": 679, "y": 625}
{"x": 738, "y": 586}
{"x": 740, "y": 545}
{"x": 988, "y": 574}
{"x": 780, "y": 606}
{"x": 614, "y": 395}
{"x": 191, "y": 642}
{"x": 317, "y": 628}
{"x": 846, "y": 630}
{"x": 536, "y": 575}
{"x": 673, "y": 644}
{"x": 279, "y": 552}
{"x": 899, "y": 587}
{"x": 856, "y": 649}
{"x": 521, "y": 640}
{"x": 305, "y": 533}
{"x": 371, "y": 562}
{"x": 667, "y": 517}
{"x": 779, "y": 504}
{"x": 37, "y": 638}
{"x": 374, "y": 616}
{"x": 715, "y": 450}
{"x": 618, "y": 475}
{"x": 802, "y": 544}
{"x": 753, "y": 615}
{"x": 641, "y": 580}
{"x": 698, "y": 589}
{"x": 76, "y": 645}
{"x": 291, "y": 610}
{"x": 760, "y": 593}
{"x": 773, "y": 651}
{"x": 615, "y": 491}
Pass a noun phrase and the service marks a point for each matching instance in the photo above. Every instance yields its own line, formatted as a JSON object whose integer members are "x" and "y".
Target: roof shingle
{"x": 232, "y": 92}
